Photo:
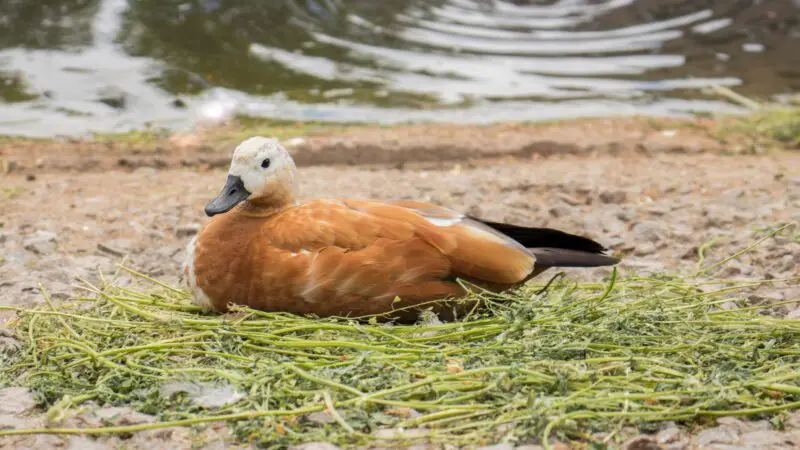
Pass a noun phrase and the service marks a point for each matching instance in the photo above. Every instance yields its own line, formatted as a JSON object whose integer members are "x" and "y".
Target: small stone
{"x": 476, "y": 211}
{"x": 794, "y": 420}
{"x": 682, "y": 232}
{"x": 315, "y": 446}
{"x": 110, "y": 250}
{"x": 115, "y": 247}
{"x": 716, "y": 435}
{"x": 403, "y": 411}
{"x": 732, "y": 195}
{"x": 668, "y": 435}
{"x": 728, "y": 306}
{"x": 176, "y": 436}
{"x": 320, "y": 417}
{"x": 658, "y": 211}
{"x": 568, "y": 199}
{"x": 5, "y": 332}
{"x": 146, "y": 171}
{"x": 560, "y": 211}
{"x": 767, "y": 439}
{"x": 719, "y": 217}
{"x": 613, "y": 196}
{"x": 187, "y": 230}
{"x": 9, "y": 345}
{"x": 58, "y": 290}
{"x": 16, "y": 400}
{"x": 41, "y": 243}
{"x": 504, "y": 446}
{"x": 156, "y": 234}
{"x": 10, "y": 421}
{"x": 7, "y": 166}
{"x": 641, "y": 443}
{"x": 560, "y": 446}
{"x": 758, "y": 425}
{"x": 648, "y": 230}
{"x": 786, "y": 263}
{"x": 644, "y": 249}
{"x": 643, "y": 266}
{"x": 626, "y": 214}
{"x": 118, "y": 415}
{"x": 207, "y": 395}
{"x": 93, "y": 263}
{"x": 84, "y": 443}
{"x": 743, "y": 217}
{"x": 215, "y": 444}
{"x": 48, "y": 441}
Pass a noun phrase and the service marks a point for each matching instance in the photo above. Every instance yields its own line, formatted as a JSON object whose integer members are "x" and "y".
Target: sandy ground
{"x": 69, "y": 209}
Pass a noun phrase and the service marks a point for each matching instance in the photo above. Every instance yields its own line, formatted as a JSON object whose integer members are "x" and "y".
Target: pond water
{"x": 78, "y": 66}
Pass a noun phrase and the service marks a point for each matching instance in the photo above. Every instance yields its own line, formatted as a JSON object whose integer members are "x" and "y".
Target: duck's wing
{"x": 370, "y": 233}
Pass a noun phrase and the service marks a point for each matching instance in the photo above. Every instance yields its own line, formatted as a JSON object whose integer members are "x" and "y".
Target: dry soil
{"x": 653, "y": 195}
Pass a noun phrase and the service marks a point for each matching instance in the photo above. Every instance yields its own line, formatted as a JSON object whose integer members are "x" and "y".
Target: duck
{"x": 264, "y": 249}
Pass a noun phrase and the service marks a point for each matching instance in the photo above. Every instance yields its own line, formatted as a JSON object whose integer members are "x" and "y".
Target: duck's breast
{"x": 199, "y": 296}
{"x": 219, "y": 268}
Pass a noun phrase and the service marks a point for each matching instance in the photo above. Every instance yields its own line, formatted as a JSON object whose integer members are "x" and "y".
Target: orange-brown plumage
{"x": 346, "y": 257}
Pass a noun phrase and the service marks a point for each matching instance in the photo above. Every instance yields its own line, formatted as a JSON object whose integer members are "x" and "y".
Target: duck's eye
{"x": 265, "y": 163}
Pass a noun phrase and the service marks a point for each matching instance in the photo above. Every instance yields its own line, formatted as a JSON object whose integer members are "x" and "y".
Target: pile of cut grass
{"x": 562, "y": 360}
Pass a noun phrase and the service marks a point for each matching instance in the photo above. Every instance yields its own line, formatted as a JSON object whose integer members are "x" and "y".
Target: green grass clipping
{"x": 557, "y": 360}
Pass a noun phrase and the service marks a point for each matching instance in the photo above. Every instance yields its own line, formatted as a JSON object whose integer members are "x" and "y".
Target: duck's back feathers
{"x": 470, "y": 248}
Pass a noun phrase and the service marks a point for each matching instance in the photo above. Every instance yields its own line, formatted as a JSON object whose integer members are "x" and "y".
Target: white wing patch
{"x": 444, "y": 222}
{"x": 494, "y": 235}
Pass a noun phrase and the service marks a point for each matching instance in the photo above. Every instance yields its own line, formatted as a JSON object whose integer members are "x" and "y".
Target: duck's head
{"x": 262, "y": 172}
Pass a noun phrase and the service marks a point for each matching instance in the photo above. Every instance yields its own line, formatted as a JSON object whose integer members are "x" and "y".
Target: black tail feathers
{"x": 554, "y": 248}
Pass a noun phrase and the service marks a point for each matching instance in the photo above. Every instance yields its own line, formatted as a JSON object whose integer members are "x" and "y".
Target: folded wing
{"x": 381, "y": 250}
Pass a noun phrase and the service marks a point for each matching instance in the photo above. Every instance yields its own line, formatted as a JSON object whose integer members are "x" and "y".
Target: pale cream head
{"x": 262, "y": 173}
{"x": 263, "y": 165}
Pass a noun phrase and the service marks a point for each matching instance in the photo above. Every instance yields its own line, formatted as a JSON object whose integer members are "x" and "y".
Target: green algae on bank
{"x": 240, "y": 128}
{"x": 561, "y": 359}
{"x": 780, "y": 124}
{"x": 767, "y": 125}
{"x": 764, "y": 127}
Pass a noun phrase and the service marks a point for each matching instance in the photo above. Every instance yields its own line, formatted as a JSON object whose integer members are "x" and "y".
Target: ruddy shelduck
{"x": 265, "y": 250}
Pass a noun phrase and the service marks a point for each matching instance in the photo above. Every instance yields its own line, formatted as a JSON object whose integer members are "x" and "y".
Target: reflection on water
{"x": 73, "y": 66}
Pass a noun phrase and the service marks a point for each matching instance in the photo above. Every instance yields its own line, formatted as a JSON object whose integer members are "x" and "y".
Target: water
{"x": 78, "y": 66}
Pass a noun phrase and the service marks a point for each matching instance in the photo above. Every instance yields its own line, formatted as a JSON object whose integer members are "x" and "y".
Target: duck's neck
{"x": 269, "y": 204}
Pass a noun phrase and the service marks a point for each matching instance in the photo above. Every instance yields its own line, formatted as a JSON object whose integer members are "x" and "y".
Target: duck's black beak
{"x": 232, "y": 194}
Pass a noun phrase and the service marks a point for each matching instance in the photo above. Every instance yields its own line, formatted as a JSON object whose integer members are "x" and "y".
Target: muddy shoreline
{"x": 359, "y": 145}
